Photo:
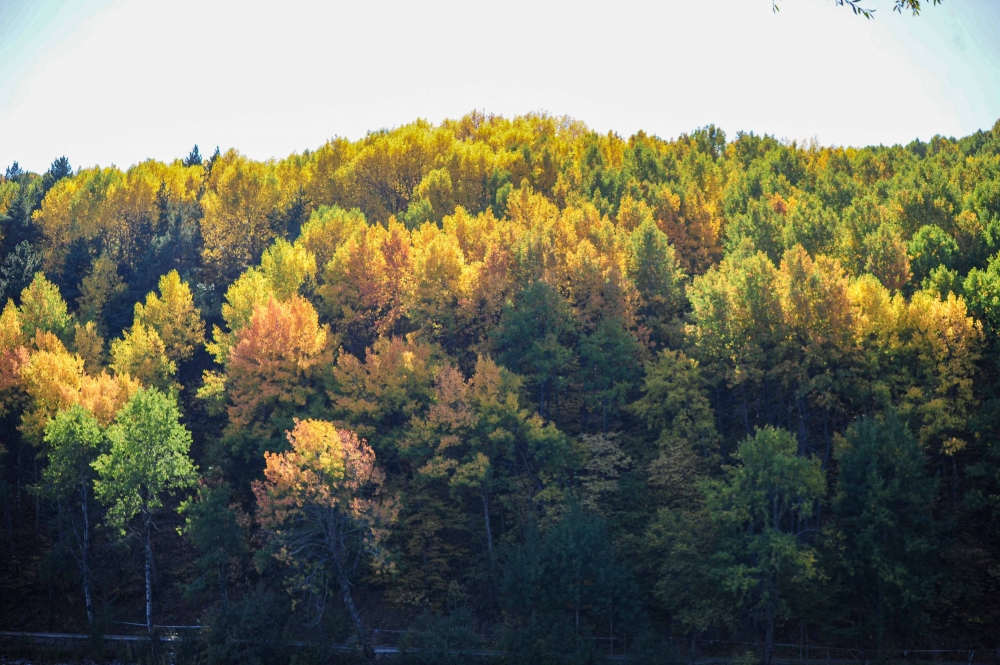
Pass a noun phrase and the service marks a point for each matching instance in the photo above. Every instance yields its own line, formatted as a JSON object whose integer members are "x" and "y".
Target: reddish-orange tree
{"x": 323, "y": 505}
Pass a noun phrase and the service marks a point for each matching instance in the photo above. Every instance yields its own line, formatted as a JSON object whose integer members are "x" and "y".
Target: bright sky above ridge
{"x": 119, "y": 81}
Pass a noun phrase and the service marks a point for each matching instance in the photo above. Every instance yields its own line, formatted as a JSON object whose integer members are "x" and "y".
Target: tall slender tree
{"x": 147, "y": 458}
{"x": 74, "y": 439}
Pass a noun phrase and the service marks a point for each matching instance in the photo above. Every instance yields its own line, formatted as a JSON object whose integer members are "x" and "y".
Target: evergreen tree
{"x": 883, "y": 506}
{"x": 563, "y": 588}
{"x": 194, "y": 157}
{"x": 60, "y": 169}
{"x": 213, "y": 525}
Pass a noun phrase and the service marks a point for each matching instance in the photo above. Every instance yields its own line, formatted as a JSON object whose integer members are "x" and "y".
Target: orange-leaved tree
{"x": 322, "y": 503}
{"x": 273, "y": 370}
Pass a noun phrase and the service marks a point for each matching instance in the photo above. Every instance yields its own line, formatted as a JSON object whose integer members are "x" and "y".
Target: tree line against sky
{"x": 510, "y": 374}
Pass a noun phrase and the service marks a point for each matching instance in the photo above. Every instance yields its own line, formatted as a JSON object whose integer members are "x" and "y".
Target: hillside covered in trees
{"x": 508, "y": 377}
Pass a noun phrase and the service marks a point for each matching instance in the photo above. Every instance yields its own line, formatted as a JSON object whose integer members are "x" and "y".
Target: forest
{"x": 509, "y": 384}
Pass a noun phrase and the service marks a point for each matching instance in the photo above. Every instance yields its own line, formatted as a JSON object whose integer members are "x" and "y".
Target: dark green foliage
{"x": 251, "y": 630}
{"x": 609, "y": 366}
{"x": 193, "y": 158}
{"x": 760, "y": 508}
{"x": 60, "y": 169}
{"x": 442, "y": 639}
{"x": 659, "y": 280}
{"x": 535, "y": 339}
{"x": 213, "y": 525}
{"x": 13, "y": 172}
{"x": 883, "y": 506}
{"x": 563, "y": 588}
{"x": 18, "y": 269}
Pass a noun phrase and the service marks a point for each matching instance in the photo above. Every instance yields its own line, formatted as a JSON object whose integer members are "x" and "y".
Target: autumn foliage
{"x": 581, "y": 392}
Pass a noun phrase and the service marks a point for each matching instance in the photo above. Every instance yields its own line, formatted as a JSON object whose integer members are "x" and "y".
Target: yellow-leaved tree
{"x": 240, "y": 203}
{"x": 174, "y": 317}
{"x": 141, "y": 354}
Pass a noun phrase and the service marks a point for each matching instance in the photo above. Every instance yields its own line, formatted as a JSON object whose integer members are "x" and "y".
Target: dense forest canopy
{"x": 509, "y": 377}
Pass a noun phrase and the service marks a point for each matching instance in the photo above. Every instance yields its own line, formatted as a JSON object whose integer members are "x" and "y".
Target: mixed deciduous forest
{"x": 508, "y": 377}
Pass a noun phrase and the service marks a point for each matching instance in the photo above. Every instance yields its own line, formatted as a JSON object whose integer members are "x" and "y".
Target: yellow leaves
{"x": 130, "y": 207}
{"x": 180, "y": 183}
{"x": 213, "y": 392}
{"x": 104, "y": 395}
{"x": 530, "y": 210}
{"x": 327, "y": 229}
{"x": 325, "y": 175}
{"x": 953, "y": 446}
{"x": 692, "y": 221}
{"x": 946, "y": 321}
{"x": 939, "y": 331}
{"x": 325, "y": 468}
{"x": 292, "y": 177}
{"x": 173, "y": 316}
{"x": 89, "y": 345}
{"x": 935, "y": 345}
{"x": 11, "y": 329}
{"x": 815, "y": 299}
{"x": 436, "y": 196}
{"x": 779, "y": 204}
{"x": 314, "y": 494}
{"x": 289, "y": 329}
{"x": 287, "y": 267}
{"x": 476, "y": 234}
{"x": 52, "y": 378}
{"x": 251, "y": 290}
{"x": 142, "y": 355}
{"x": 471, "y": 428}
{"x": 585, "y": 222}
{"x": 461, "y": 171}
{"x": 389, "y": 165}
{"x": 367, "y": 278}
{"x": 316, "y": 446}
{"x": 632, "y": 214}
{"x": 946, "y": 340}
{"x": 874, "y": 314}
{"x": 70, "y": 211}
{"x": 117, "y": 207}
{"x": 440, "y": 279}
{"x": 738, "y": 317}
{"x": 42, "y": 308}
{"x": 389, "y": 367}
{"x": 99, "y": 287}
{"x": 284, "y": 269}
{"x": 392, "y": 382}
{"x": 9, "y": 190}
{"x": 242, "y": 196}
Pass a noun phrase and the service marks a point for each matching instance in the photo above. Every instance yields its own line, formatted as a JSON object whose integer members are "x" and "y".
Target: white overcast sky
{"x": 118, "y": 81}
